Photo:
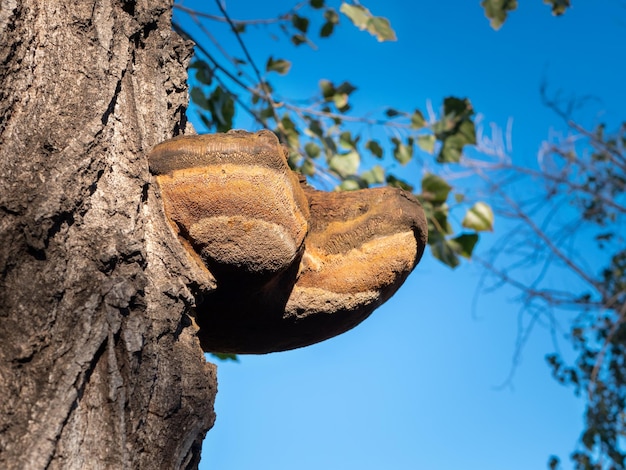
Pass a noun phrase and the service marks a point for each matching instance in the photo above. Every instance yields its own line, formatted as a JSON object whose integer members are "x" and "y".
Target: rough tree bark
{"x": 99, "y": 363}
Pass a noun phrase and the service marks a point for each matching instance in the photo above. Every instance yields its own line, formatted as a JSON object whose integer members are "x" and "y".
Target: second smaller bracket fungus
{"x": 293, "y": 265}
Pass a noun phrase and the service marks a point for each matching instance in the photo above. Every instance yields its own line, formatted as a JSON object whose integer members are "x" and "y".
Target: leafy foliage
{"x": 455, "y": 129}
{"x": 497, "y": 10}
{"x": 225, "y": 357}
{"x": 363, "y": 19}
{"x": 326, "y": 142}
{"x": 558, "y": 6}
{"x": 220, "y": 105}
{"x": 281, "y": 66}
{"x": 479, "y": 217}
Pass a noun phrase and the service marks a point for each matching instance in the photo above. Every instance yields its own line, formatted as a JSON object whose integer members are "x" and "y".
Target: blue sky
{"x": 416, "y": 385}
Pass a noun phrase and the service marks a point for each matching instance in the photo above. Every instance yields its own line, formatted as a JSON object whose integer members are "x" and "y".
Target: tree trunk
{"x": 100, "y": 366}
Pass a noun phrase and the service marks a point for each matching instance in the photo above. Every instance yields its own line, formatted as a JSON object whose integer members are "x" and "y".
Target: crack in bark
{"x": 111, "y": 106}
{"x": 129, "y": 7}
{"x": 80, "y": 386}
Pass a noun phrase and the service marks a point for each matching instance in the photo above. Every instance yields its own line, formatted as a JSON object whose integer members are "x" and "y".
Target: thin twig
{"x": 551, "y": 297}
{"x": 224, "y": 19}
{"x": 519, "y": 213}
{"x": 267, "y": 95}
{"x": 215, "y": 63}
{"x": 235, "y": 62}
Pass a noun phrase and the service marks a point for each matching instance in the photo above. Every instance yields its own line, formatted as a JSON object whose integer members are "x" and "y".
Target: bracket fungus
{"x": 293, "y": 265}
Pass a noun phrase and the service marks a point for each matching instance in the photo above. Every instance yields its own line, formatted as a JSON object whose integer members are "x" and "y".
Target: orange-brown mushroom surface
{"x": 293, "y": 265}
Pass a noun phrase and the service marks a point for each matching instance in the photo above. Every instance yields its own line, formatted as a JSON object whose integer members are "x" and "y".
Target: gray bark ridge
{"x": 100, "y": 366}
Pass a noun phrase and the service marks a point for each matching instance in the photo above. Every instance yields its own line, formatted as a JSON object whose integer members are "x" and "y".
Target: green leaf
{"x": 558, "y": 6}
{"x": 266, "y": 113}
{"x": 375, "y": 148}
{"x": 298, "y": 39}
{"x": 341, "y": 101}
{"x": 444, "y": 252}
{"x": 225, "y": 357}
{"x": 312, "y": 150}
{"x": 345, "y": 88}
{"x": 464, "y": 244}
{"x": 398, "y": 183}
{"x": 199, "y": 98}
{"x": 392, "y": 112}
{"x": 358, "y": 14}
{"x": 292, "y": 134}
{"x": 440, "y": 214}
{"x": 345, "y": 164}
{"x": 327, "y": 29}
{"x": 381, "y": 28}
{"x": 451, "y": 151}
{"x": 437, "y": 217}
{"x": 426, "y": 142}
{"x": 346, "y": 140}
{"x": 435, "y": 188}
{"x": 496, "y": 11}
{"x": 328, "y": 89}
{"x": 204, "y": 74}
{"x": 288, "y": 124}
{"x": 222, "y": 107}
{"x": 403, "y": 153}
{"x": 459, "y": 107}
{"x": 315, "y": 127}
{"x": 349, "y": 185}
{"x": 376, "y": 175}
{"x": 363, "y": 19}
{"x": 553, "y": 462}
{"x": 294, "y": 159}
{"x": 453, "y": 143}
{"x": 338, "y": 95}
{"x": 417, "y": 120}
{"x": 307, "y": 168}
{"x": 479, "y": 217}
{"x": 316, "y": 3}
{"x": 281, "y": 66}
{"x": 329, "y": 145}
{"x": 331, "y": 16}
{"x": 300, "y": 23}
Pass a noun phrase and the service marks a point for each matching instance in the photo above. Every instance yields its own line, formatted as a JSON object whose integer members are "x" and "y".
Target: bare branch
{"x": 267, "y": 96}
{"x": 225, "y": 19}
